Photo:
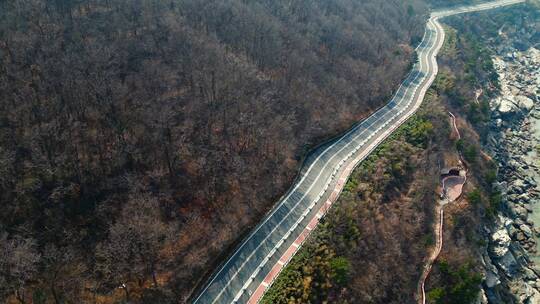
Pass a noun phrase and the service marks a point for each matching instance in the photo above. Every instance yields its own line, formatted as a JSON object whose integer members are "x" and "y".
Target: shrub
{"x": 460, "y": 145}
{"x": 459, "y": 285}
{"x": 418, "y": 131}
{"x": 351, "y": 185}
{"x": 435, "y": 295}
{"x": 340, "y": 268}
{"x": 495, "y": 201}
{"x": 428, "y": 240}
{"x": 475, "y": 197}
{"x": 470, "y": 154}
{"x": 491, "y": 176}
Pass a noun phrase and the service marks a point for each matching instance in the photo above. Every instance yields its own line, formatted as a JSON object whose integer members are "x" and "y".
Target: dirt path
{"x": 477, "y": 94}
{"x": 452, "y": 187}
{"x": 455, "y": 125}
{"x": 438, "y": 247}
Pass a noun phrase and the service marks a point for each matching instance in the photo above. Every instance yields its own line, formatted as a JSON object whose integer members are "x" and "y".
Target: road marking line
{"x": 346, "y": 145}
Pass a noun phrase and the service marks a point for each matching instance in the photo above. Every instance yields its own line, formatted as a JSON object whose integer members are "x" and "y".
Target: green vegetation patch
{"x": 309, "y": 276}
{"x": 460, "y": 285}
{"x": 323, "y": 264}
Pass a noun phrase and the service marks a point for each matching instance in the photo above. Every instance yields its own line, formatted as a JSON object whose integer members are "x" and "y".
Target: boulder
{"x": 492, "y": 279}
{"x": 536, "y": 231}
{"x": 482, "y": 298}
{"x": 527, "y": 207}
{"x": 530, "y": 181}
{"x": 507, "y": 106}
{"x": 526, "y": 230}
{"x": 524, "y": 103}
{"x": 518, "y": 183}
{"x": 512, "y": 198}
{"x": 533, "y": 297}
{"x": 519, "y": 211}
{"x": 536, "y": 270}
{"x": 500, "y": 241}
{"x": 508, "y": 264}
{"x": 524, "y": 292}
{"x": 500, "y": 186}
{"x": 519, "y": 222}
{"x": 492, "y": 275}
{"x": 529, "y": 274}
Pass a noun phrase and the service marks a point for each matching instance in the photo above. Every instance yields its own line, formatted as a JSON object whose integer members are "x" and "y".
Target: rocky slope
{"x": 512, "y": 243}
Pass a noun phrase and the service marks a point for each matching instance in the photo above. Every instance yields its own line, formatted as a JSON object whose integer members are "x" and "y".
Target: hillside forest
{"x": 140, "y": 140}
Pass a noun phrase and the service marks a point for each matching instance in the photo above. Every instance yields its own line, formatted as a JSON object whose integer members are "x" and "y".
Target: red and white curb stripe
{"x": 286, "y": 257}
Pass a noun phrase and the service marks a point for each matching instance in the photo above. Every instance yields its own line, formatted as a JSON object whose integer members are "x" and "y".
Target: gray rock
{"x": 508, "y": 264}
{"x": 500, "y": 243}
{"x": 492, "y": 275}
{"x": 512, "y": 198}
{"x": 526, "y": 230}
{"x": 518, "y": 183}
{"x": 524, "y": 292}
{"x": 536, "y": 269}
{"x": 531, "y": 182}
{"x": 529, "y": 274}
{"x": 501, "y": 186}
{"x": 533, "y": 296}
{"x": 527, "y": 207}
{"x": 510, "y": 141}
{"x": 519, "y": 211}
{"x": 482, "y": 298}
{"x": 507, "y": 106}
{"x": 512, "y": 231}
{"x": 524, "y": 102}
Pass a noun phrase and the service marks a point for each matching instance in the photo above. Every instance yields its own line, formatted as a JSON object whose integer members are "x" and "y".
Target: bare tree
{"x": 64, "y": 273}
{"x": 18, "y": 265}
{"x": 208, "y": 104}
{"x": 132, "y": 251}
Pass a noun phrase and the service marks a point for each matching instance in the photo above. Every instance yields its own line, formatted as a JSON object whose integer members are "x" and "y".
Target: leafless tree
{"x": 64, "y": 273}
{"x": 18, "y": 265}
{"x": 132, "y": 251}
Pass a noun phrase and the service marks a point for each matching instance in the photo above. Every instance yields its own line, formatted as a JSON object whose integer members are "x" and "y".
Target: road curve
{"x": 323, "y": 175}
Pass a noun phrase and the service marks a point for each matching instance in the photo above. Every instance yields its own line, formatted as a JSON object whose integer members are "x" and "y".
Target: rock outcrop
{"x": 513, "y": 235}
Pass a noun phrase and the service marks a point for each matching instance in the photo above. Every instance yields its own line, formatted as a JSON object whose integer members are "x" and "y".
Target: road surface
{"x": 259, "y": 258}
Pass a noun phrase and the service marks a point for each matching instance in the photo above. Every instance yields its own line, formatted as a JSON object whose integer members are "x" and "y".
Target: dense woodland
{"x": 139, "y": 140}
{"x": 372, "y": 244}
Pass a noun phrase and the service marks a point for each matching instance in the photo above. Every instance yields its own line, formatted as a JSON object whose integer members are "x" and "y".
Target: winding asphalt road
{"x": 244, "y": 272}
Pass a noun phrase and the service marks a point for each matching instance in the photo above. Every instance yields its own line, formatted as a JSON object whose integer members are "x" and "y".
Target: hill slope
{"x": 140, "y": 139}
